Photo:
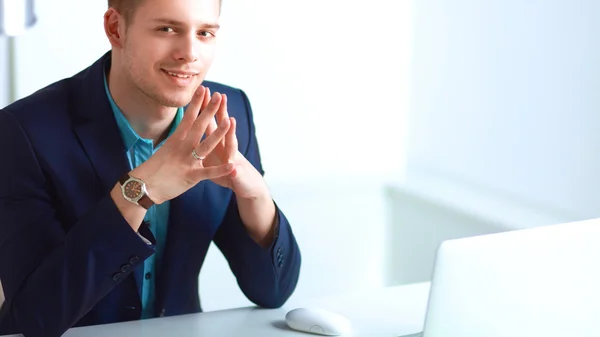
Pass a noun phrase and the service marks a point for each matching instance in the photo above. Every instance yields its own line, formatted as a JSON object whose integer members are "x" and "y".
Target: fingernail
{"x": 214, "y": 98}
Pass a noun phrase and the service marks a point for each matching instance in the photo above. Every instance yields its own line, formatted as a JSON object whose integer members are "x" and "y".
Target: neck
{"x": 149, "y": 119}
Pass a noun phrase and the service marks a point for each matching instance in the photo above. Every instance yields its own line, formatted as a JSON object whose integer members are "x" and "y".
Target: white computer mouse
{"x": 318, "y": 321}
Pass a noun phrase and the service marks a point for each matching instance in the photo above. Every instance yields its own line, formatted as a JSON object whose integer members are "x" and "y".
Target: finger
{"x": 212, "y": 126}
{"x": 191, "y": 113}
{"x": 213, "y": 172}
{"x": 222, "y": 113}
{"x": 231, "y": 143}
{"x": 206, "y": 98}
{"x": 209, "y": 130}
{"x": 208, "y": 145}
{"x": 221, "y": 116}
{"x": 199, "y": 127}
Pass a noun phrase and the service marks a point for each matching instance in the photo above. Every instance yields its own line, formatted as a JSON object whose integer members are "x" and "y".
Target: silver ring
{"x": 195, "y": 155}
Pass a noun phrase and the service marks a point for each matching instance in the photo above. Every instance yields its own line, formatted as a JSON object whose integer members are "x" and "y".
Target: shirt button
{"x": 148, "y": 275}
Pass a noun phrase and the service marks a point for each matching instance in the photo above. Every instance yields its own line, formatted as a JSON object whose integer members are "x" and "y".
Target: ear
{"x": 112, "y": 27}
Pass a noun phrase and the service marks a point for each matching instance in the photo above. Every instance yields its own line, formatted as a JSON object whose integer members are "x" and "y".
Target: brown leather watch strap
{"x": 144, "y": 201}
{"x": 123, "y": 178}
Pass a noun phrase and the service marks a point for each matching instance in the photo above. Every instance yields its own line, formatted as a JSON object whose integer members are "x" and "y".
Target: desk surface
{"x": 387, "y": 312}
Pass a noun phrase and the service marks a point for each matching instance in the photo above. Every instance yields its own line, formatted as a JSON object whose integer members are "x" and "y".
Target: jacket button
{"x": 126, "y": 268}
{"x": 148, "y": 275}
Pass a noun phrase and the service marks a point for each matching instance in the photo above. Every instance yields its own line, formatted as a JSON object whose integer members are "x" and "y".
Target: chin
{"x": 175, "y": 100}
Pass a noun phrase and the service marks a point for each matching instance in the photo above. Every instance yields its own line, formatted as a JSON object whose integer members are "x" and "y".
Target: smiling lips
{"x": 181, "y": 74}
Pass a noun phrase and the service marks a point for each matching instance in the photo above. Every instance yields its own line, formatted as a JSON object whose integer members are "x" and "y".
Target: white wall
{"x": 506, "y": 98}
{"x": 4, "y": 84}
{"x": 341, "y": 229}
{"x": 56, "y": 48}
{"x": 426, "y": 210}
{"x": 330, "y": 78}
{"x": 328, "y": 82}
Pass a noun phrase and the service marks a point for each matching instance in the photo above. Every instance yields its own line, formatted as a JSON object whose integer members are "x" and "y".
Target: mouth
{"x": 181, "y": 74}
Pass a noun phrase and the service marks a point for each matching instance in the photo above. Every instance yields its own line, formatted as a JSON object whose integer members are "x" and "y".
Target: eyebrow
{"x": 179, "y": 23}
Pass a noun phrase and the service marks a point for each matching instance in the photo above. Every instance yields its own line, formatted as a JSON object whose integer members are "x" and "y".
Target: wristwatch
{"x": 134, "y": 190}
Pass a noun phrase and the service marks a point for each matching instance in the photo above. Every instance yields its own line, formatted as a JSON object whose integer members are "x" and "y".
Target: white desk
{"x": 387, "y": 312}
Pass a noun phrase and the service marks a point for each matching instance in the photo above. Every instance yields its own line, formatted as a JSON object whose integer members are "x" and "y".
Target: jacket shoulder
{"x": 42, "y": 106}
{"x": 220, "y": 87}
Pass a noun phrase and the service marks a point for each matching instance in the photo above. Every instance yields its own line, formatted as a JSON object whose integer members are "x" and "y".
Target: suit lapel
{"x": 95, "y": 125}
{"x": 104, "y": 148}
{"x": 97, "y": 131}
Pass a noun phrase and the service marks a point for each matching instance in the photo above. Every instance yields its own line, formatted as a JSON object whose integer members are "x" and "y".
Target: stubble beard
{"x": 151, "y": 91}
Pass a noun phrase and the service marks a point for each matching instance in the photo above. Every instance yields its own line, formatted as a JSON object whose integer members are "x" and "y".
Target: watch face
{"x": 133, "y": 189}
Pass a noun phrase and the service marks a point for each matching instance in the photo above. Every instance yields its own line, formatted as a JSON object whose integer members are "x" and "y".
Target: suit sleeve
{"x": 52, "y": 278}
{"x": 267, "y": 277}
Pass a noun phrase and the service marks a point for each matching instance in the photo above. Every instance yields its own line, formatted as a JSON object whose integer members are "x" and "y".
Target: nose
{"x": 187, "y": 49}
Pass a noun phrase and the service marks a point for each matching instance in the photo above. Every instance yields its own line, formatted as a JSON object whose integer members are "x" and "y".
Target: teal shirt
{"x": 138, "y": 151}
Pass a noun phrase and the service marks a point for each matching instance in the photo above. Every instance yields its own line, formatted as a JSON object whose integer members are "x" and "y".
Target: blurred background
{"x": 385, "y": 126}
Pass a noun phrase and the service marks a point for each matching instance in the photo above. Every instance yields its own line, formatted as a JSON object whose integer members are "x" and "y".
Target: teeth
{"x": 180, "y": 76}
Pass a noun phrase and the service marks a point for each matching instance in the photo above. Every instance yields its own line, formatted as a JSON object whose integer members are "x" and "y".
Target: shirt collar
{"x": 130, "y": 137}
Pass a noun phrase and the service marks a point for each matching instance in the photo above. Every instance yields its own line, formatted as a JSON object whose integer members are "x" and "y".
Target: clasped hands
{"x": 186, "y": 158}
{"x": 244, "y": 179}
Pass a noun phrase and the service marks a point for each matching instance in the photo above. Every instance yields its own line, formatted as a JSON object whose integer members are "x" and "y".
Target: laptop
{"x": 543, "y": 281}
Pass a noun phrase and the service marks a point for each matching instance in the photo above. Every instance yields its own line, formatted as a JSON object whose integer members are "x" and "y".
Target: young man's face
{"x": 169, "y": 46}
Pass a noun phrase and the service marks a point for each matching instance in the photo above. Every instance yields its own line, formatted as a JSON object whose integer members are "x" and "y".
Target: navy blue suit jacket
{"x": 67, "y": 256}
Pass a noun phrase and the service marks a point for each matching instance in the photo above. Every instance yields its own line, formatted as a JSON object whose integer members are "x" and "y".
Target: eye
{"x": 166, "y": 29}
{"x": 206, "y": 33}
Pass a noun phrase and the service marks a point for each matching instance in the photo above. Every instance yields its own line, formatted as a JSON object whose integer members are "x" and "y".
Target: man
{"x": 111, "y": 192}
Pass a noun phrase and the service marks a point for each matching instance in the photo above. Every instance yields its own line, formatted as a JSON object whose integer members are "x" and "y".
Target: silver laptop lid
{"x": 535, "y": 282}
